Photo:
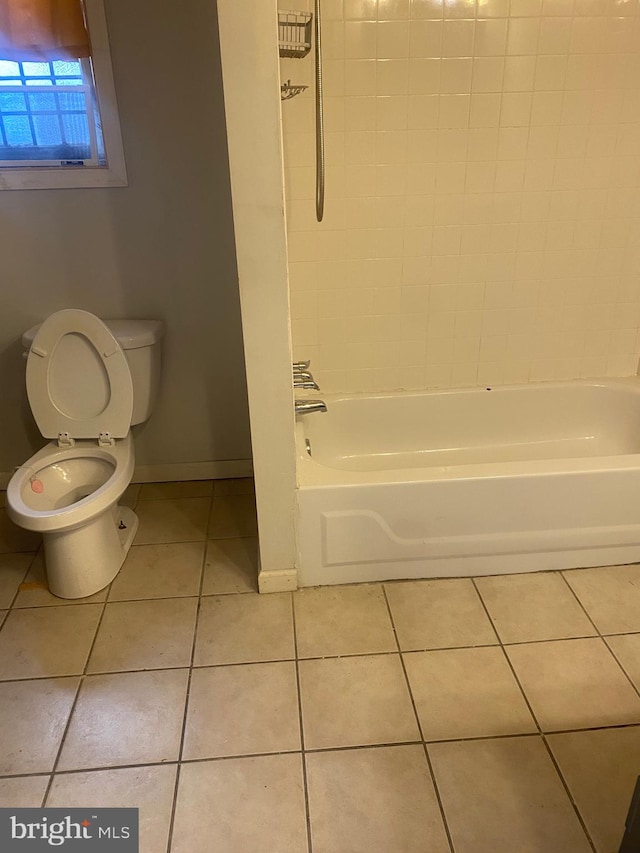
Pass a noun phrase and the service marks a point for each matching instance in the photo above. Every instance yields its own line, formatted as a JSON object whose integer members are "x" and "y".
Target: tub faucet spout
{"x": 303, "y": 407}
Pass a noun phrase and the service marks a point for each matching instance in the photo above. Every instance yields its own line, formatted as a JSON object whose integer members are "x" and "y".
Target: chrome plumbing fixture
{"x": 319, "y": 116}
{"x": 306, "y": 383}
{"x": 303, "y": 407}
{"x": 303, "y": 378}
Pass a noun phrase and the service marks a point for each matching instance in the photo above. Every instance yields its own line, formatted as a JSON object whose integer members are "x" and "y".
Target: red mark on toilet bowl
{"x": 37, "y": 486}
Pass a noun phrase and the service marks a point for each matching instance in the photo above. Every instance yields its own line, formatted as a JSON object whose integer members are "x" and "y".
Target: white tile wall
{"x": 482, "y": 220}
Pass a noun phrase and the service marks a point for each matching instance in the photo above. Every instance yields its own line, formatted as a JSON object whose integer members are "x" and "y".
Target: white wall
{"x": 483, "y": 193}
{"x": 163, "y": 247}
{"x": 248, "y": 38}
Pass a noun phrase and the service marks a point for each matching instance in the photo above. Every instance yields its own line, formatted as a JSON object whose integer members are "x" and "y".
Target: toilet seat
{"x": 78, "y": 380}
{"x": 28, "y": 508}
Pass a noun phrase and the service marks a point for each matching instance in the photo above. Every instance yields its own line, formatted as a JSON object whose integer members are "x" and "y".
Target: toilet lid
{"x": 78, "y": 378}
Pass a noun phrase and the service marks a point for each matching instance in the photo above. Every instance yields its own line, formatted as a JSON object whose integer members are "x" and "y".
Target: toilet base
{"x": 82, "y": 561}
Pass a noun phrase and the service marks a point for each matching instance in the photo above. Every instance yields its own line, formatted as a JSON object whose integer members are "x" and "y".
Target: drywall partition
{"x": 248, "y": 41}
{"x": 162, "y": 247}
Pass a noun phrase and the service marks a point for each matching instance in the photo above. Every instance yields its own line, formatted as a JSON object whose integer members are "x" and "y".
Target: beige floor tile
{"x": 233, "y": 516}
{"x": 530, "y": 607}
{"x": 181, "y": 489}
{"x": 234, "y": 486}
{"x": 502, "y": 796}
{"x": 34, "y": 715}
{"x": 626, "y": 647}
{"x": 128, "y": 718}
{"x": 374, "y": 801}
{"x": 145, "y": 635}
{"x": 244, "y": 629}
{"x": 149, "y": 789}
{"x": 34, "y": 592}
{"x": 574, "y": 684}
{"x": 610, "y": 595}
{"x": 248, "y": 805}
{"x": 47, "y": 641}
{"x": 242, "y": 710}
{"x": 439, "y": 614}
{"x": 13, "y": 568}
{"x": 461, "y": 693}
{"x": 14, "y": 539}
{"x": 159, "y": 571}
{"x": 231, "y": 565}
{"x": 23, "y": 792}
{"x": 356, "y": 700}
{"x": 172, "y": 520}
{"x": 343, "y": 620}
{"x": 600, "y": 768}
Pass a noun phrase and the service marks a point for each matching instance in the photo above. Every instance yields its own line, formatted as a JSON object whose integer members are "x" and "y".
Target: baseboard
{"x": 279, "y": 580}
{"x": 212, "y": 470}
{"x": 173, "y": 471}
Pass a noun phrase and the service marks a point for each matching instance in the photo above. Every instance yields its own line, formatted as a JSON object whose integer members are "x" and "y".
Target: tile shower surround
{"x": 482, "y": 220}
{"x": 485, "y": 715}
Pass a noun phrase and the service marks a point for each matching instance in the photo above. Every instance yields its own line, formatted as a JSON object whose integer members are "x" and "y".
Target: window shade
{"x": 37, "y": 30}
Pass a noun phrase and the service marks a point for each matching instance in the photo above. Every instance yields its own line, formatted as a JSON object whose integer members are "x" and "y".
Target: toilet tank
{"x": 140, "y": 340}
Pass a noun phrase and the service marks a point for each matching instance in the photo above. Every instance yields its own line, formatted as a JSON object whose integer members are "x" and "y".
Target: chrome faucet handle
{"x": 303, "y": 374}
{"x": 305, "y": 383}
{"x": 301, "y": 365}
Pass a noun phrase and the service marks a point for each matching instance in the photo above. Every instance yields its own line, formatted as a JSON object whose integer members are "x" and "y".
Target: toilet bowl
{"x": 81, "y": 393}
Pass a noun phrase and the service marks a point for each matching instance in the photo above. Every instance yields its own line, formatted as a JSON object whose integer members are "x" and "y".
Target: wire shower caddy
{"x": 294, "y": 34}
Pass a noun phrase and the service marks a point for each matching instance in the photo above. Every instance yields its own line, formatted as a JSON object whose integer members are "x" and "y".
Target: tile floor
{"x": 488, "y": 715}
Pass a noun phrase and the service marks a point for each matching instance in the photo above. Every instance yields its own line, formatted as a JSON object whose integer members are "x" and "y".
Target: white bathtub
{"x": 443, "y": 484}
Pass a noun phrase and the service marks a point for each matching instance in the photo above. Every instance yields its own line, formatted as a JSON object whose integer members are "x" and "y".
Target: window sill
{"x": 61, "y": 178}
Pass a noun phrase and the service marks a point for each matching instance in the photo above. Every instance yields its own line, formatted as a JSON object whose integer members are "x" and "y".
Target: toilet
{"x": 88, "y": 382}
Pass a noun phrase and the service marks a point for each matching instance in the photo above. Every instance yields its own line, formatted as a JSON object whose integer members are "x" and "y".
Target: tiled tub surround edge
{"x": 482, "y": 194}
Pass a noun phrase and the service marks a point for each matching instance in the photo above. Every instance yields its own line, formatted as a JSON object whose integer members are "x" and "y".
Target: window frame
{"x": 114, "y": 174}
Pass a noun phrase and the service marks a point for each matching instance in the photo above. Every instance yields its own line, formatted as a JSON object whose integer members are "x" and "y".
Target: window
{"x": 58, "y": 118}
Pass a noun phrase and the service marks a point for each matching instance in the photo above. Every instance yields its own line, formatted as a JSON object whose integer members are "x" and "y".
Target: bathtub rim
{"x": 312, "y": 474}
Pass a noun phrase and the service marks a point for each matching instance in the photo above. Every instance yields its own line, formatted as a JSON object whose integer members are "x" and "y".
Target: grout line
{"x": 580, "y": 604}
{"x": 620, "y": 664}
{"x": 602, "y": 637}
{"x": 155, "y": 598}
{"x": 81, "y": 603}
{"x": 508, "y": 661}
{"x": 254, "y": 662}
{"x": 542, "y": 734}
{"x": 569, "y": 794}
{"x": 313, "y": 751}
{"x": 10, "y": 606}
{"x": 476, "y": 738}
{"x": 305, "y": 781}
{"x": 75, "y": 702}
{"x": 187, "y": 697}
{"x": 417, "y": 717}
